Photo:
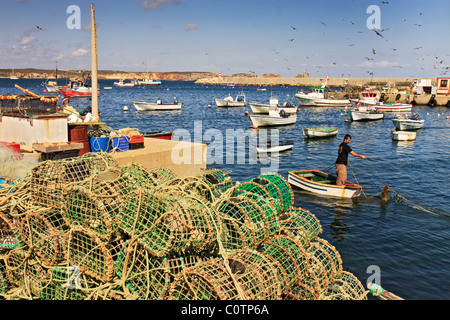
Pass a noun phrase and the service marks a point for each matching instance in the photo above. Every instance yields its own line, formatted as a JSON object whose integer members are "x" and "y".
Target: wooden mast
{"x": 94, "y": 78}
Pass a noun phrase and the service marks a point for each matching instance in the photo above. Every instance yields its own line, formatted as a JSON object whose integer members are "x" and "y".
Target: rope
{"x": 421, "y": 206}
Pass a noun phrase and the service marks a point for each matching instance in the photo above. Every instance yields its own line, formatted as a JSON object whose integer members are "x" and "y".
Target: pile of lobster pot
{"x": 87, "y": 228}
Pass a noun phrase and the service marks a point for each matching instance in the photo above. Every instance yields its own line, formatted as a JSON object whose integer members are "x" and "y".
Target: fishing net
{"x": 345, "y": 287}
{"x": 256, "y": 274}
{"x": 287, "y": 195}
{"x": 43, "y": 230}
{"x": 49, "y": 178}
{"x": 149, "y": 277}
{"x": 9, "y": 234}
{"x": 300, "y": 224}
{"x": 86, "y": 228}
{"x": 167, "y": 223}
{"x": 94, "y": 257}
{"x": 207, "y": 280}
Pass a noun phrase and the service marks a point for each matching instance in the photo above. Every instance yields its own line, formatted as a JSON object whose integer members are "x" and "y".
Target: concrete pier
{"x": 183, "y": 158}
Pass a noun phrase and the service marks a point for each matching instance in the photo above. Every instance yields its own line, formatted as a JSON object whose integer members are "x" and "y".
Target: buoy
{"x": 125, "y": 108}
{"x": 209, "y": 106}
{"x": 346, "y": 120}
{"x": 45, "y": 90}
{"x": 255, "y": 127}
{"x": 246, "y": 113}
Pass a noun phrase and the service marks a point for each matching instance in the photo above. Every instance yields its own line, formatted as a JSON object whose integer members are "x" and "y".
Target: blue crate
{"x": 121, "y": 143}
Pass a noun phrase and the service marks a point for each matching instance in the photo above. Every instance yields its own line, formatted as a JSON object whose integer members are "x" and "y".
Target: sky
{"x": 285, "y": 37}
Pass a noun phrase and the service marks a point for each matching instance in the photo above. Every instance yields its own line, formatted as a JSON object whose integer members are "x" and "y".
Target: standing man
{"x": 342, "y": 159}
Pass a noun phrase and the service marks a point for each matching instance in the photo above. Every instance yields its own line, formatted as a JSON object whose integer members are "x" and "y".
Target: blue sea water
{"x": 408, "y": 241}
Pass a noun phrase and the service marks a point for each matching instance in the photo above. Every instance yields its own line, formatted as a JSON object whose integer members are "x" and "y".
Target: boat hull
{"x": 226, "y": 103}
{"x": 407, "y": 124}
{"x": 382, "y": 107}
{"x": 331, "y": 103}
{"x": 149, "y": 106}
{"x": 355, "y": 115}
{"x": 324, "y": 132}
{"x": 264, "y": 108}
{"x": 268, "y": 148}
{"x": 74, "y": 93}
{"x": 304, "y": 179}
{"x": 260, "y": 120}
{"x": 403, "y": 135}
{"x": 166, "y": 135}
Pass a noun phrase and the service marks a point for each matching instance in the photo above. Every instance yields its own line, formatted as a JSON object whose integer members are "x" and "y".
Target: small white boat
{"x": 403, "y": 135}
{"x": 141, "y": 105}
{"x": 148, "y": 82}
{"x": 273, "y": 103}
{"x": 122, "y": 83}
{"x": 402, "y": 123}
{"x": 320, "y": 132}
{"x": 323, "y": 183}
{"x": 393, "y": 107}
{"x": 240, "y": 101}
{"x": 270, "y": 147}
{"x": 316, "y": 98}
{"x": 364, "y": 113}
{"x": 275, "y": 117}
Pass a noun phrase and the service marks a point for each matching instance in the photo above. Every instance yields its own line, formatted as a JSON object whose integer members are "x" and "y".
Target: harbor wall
{"x": 183, "y": 158}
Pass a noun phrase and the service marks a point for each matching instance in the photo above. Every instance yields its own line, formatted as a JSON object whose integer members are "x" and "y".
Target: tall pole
{"x": 94, "y": 66}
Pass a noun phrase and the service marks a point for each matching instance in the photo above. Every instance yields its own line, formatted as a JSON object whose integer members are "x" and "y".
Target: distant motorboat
{"x": 122, "y": 83}
{"x": 275, "y": 117}
{"x": 403, "y": 123}
{"x": 320, "y": 132}
{"x": 142, "y": 105}
{"x": 316, "y": 98}
{"x": 240, "y": 101}
{"x": 77, "y": 89}
{"x": 146, "y": 82}
{"x": 273, "y": 103}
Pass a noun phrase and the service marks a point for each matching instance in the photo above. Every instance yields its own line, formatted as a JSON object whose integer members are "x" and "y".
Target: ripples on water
{"x": 410, "y": 246}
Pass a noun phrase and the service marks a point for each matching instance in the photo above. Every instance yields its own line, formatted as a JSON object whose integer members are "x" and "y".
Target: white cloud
{"x": 190, "y": 27}
{"x": 80, "y": 53}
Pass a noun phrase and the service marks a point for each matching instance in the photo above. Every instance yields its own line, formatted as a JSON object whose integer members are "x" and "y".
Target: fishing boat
{"x": 364, "y": 113}
{"x": 166, "y": 135}
{"x": 273, "y": 103}
{"x": 159, "y": 105}
{"x": 148, "y": 82}
{"x": 13, "y": 76}
{"x": 403, "y": 135}
{"x": 275, "y": 117}
{"x": 122, "y": 83}
{"x": 393, "y": 107}
{"x": 240, "y": 101}
{"x": 323, "y": 183}
{"x": 77, "y": 89}
{"x": 316, "y": 98}
{"x": 52, "y": 83}
{"x": 369, "y": 98}
{"x": 270, "y": 147}
{"x": 403, "y": 123}
{"x": 320, "y": 132}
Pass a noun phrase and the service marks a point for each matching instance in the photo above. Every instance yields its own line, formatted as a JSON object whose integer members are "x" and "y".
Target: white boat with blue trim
{"x": 322, "y": 183}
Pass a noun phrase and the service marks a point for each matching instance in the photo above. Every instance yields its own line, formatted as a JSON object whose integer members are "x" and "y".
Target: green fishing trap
{"x": 49, "y": 178}
{"x": 301, "y": 224}
{"x": 287, "y": 195}
{"x": 44, "y": 230}
{"x": 345, "y": 287}
{"x": 148, "y": 178}
{"x": 91, "y": 254}
{"x": 207, "y": 280}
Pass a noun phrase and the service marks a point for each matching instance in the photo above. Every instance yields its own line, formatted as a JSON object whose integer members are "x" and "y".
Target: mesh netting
{"x": 49, "y": 178}
{"x": 85, "y": 228}
{"x": 43, "y": 230}
{"x": 9, "y": 235}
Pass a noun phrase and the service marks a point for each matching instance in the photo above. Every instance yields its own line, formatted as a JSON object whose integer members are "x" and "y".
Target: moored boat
{"x": 122, "y": 83}
{"x": 240, "y": 101}
{"x": 275, "y": 117}
{"x": 320, "y": 132}
{"x": 403, "y": 135}
{"x": 403, "y": 123}
{"x": 77, "y": 89}
{"x": 393, "y": 107}
{"x": 142, "y": 105}
{"x": 270, "y": 147}
{"x": 273, "y": 103}
{"x": 364, "y": 113}
{"x": 322, "y": 183}
{"x": 166, "y": 135}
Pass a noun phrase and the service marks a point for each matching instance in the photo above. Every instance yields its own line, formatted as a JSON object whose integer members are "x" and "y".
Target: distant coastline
{"x": 216, "y": 78}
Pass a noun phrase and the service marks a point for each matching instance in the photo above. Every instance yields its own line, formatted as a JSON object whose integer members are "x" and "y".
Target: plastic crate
{"x": 121, "y": 143}
{"x": 137, "y": 139}
{"x": 138, "y": 145}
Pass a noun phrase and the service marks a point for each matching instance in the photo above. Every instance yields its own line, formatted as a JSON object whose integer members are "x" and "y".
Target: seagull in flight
{"x": 378, "y": 33}
{"x": 38, "y": 27}
{"x": 323, "y": 23}
{"x": 373, "y": 51}
{"x": 293, "y": 28}
{"x": 369, "y": 58}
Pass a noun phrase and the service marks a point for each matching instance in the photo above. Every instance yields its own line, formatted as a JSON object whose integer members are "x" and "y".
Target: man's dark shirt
{"x": 343, "y": 155}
